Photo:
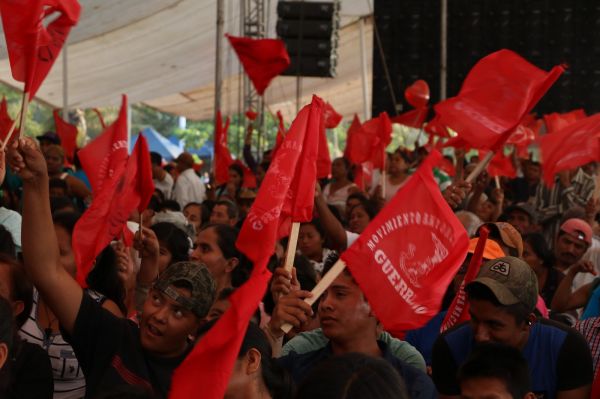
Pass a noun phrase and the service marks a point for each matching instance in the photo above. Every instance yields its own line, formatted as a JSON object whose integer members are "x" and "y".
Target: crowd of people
{"x": 534, "y": 328}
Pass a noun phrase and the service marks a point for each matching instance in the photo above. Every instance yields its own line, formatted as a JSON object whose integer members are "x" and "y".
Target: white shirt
{"x": 165, "y": 185}
{"x": 189, "y": 188}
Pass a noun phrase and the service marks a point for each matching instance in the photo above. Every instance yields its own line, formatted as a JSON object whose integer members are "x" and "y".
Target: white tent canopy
{"x": 162, "y": 53}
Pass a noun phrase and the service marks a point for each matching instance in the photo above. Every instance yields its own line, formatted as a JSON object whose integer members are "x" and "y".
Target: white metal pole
{"x": 365, "y": 72}
{"x": 444, "y": 49}
{"x": 218, "y": 60}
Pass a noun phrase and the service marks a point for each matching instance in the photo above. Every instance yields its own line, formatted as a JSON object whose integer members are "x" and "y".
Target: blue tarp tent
{"x": 206, "y": 151}
{"x": 159, "y": 143}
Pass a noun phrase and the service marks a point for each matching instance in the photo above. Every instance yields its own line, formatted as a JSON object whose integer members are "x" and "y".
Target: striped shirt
{"x": 590, "y": 329}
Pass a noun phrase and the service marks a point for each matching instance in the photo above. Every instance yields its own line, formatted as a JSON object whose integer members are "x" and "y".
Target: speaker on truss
{"x": 310, "y": 33}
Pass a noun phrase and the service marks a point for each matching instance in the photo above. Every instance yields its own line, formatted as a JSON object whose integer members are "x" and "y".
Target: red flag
{"x": 208, "y": 367}
{"x": 354, "y": 128}
{"x": 497, "y": 93}
{"x": 263, "y": 59}
{"x": 409, "y": 253}
{"x": 332, "y": 118}
{"x": 33, "y": 47}
{"x": 500, "y": 165}
{"x": 363, "y": 175}
{"x": 555, "y": 121}
{"x": 106, "y": 156}
{"x": 5, "y": 120}
{"x": 105, "y": 218}
{"x": 370, "y": 141}
{"x": 413, "y": 118}
{"x": 525, "y": 134}
{"x": 251, "y": 115}
{"x": 573, "y": 146}
{"x": 287, "y": 191}
{"x": 459, "y": 308}
{"x": 67, "y": 134}
{"x": 280, "y": 134}
{"x": 223, "y": 158}
{"x": 447, "y": 166}
{"x": 323, "y": 158}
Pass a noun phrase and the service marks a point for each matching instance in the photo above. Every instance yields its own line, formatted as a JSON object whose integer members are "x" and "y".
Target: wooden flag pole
{"x": 497, "y": 180}
{"x": 140, "y": 227}
{"x": 10, "y": 131}
{"x": 291, "y": 247}
{"x": 321, "y": 286}
{"x": 480, "y": 167}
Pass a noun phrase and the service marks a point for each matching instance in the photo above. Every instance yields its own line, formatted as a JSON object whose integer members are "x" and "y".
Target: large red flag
{"x": 208, "y": 367}
{"x": 413, "y": 118}
{"x": 287, "y": 191}
{"x": 323, "y": 158}
{"x": 459, "y": 308}
{"x": 263, "y": 59}
{"x": 106, "y": 156}
{"x": 223, "y": 159}
{"x": 67, "y": 134}
{"x": 354, "y": 128}
{"x": 33, "y": 47}
{"x": 573, "y": 146}
{"x": 407, "y": 256}
{"x": 555, "y": 121}
{"x": 331, "y": 117}
{"x": 5, "y": 120}
{"x": 105, "y": 218}
{"x": 495, "y": 96}
{"x": 370, "y": 141}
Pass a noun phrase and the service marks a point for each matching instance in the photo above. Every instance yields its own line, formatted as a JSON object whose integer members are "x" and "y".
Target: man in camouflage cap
{"x": 502, "y": 300}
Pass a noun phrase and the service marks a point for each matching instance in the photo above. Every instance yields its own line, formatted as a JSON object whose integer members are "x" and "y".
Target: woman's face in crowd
{"x": 164, "y": 256}
{"x": 359, "y": 219}
{"x": 338, "y": 169}
{"x": 207, "y": 251}
{"x": 54, "y": 161}
{"x": 235, "y": 178}
{"x": 397, "y": 164}
{"x": 531, "y": 257}
{"x": 310, "y": 242}
{"x": 485, "y": 210}
{"x": 67, "y": 258}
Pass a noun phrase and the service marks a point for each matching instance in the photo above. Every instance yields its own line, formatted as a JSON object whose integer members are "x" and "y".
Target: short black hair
{"x": 498, "y": 361}
{"x": 21, "y": 288}
{"x": 170, "y": 205}
{"x": 155, "y": 158}
{"x": 232, "y": 209}
{"x": 480, "y": 292}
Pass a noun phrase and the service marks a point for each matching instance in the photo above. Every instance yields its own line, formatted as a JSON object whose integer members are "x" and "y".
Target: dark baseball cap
{"x": 510, "y": 279}
{"x": 525, "y": 208}
{"x": 195, "y": 276}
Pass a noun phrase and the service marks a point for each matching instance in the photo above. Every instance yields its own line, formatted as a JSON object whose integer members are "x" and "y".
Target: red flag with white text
{"x": 263, "y": 59}
{"x": 287, "y": 191}
{"x": 32, "y": 45}
{"x": 495, "y": 96}
{"x": 68, "y": 135}
{"x": 105, "y": 157}
{"x": 406, "y": 257}
{"x": 573, "y": 146}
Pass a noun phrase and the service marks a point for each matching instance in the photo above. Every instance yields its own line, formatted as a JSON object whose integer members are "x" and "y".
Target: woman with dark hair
{"x": 397, "y": 166}
{"x": 232, "y": 188}
{"x": 255, "y": 374}
{"x": 174, "y": 244}
{"x": 353, "y": 376}
{"x": 361, "y": 215}
{"x": 215, "y": 248}
{"x": 336, "y": 192}
{"x": 312, "y": 243}
{"x": 539, "y": 257}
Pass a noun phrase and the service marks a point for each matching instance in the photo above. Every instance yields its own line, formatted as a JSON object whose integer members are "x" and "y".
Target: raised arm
{"x": 39, "y": 244}
{"x": 565, "y": 300}
{"x": 333, "y": 228}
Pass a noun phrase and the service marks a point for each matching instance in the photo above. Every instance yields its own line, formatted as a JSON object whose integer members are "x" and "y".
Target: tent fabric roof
{"x": 158, "y": 143}
{"x": 161, "y": 52}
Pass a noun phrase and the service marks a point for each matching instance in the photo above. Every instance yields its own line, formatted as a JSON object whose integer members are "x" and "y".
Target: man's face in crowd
{"x": 532, "y": 172}
{"x": 166, "y": 325}
{"x": 344, "y": 311}
{"x": 207, "y": 251}
{"x": 492, "y": 323}
{"x": 520, "y": 220}
{"x": 568, "y": 249}
{"x": 193, "y": 213}
{"x": 484, "y": 388}
{"x": 219, "y": 215}
{"x": 54, "y": 161}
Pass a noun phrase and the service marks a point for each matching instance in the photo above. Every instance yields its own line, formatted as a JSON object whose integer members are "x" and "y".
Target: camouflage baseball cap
{"x": 510, "y": 279}
{"x": 199, "y": 280}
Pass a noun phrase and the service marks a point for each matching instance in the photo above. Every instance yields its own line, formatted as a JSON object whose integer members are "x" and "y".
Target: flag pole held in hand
{"x": 291, "y": 247}
{"x": 480, "y": 167}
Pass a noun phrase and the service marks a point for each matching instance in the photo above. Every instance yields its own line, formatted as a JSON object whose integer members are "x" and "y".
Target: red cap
{"x": 579, "y": 229}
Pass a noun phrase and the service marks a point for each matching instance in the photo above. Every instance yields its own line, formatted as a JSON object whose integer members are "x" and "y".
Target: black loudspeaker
{"x": 410, "y": 39}
{"x": 546, "y": 33}
{"x": 310, "y": 33}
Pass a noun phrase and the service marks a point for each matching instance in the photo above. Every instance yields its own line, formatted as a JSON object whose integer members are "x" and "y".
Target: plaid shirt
{"x": 590, "y": 329}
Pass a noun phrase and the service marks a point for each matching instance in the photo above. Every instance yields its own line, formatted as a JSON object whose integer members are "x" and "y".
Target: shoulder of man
{"x": 304, "y": 342}
{"x": 404, "y": 351}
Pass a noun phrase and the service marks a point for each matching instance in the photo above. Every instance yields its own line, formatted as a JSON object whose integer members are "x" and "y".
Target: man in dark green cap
{"x": 502, "y": 300}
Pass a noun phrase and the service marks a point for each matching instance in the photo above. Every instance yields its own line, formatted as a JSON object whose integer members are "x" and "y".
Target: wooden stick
{"x": 24, "y": 107}
{"x": 460, "y": 166}
{"x": 480, "y": 167}
{"x": 10, "y": 132}
{"x": 497, "y": 180}
{"x": 321, "y": 286}
{"x": 383, "y": 183}
{"x": 140, "y": 227}
{"x": 291, "y": 247}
